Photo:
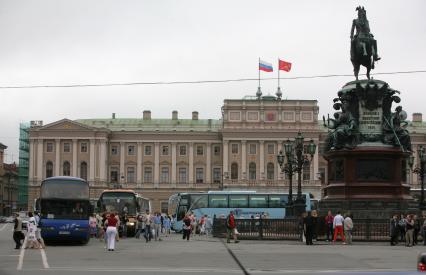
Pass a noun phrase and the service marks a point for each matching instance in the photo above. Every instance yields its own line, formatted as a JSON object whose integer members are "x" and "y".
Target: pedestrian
{"x": 424, "y": 230}
{"x": 348, "y": 226}
{"x": 209, "y": 225}
{"x": 124, "y": 220}
{"x": 18, "y": 236}
{"x": 167, "y": 225}
{"x": 31, "y": 236}
{"x": 157, "y": 226}
{"x": 186, "y": 227}
{"x": 409, "y": 231}
{"x": 92, "y": 225}
{"x": 147, "y": 219}
{"x": 111, "y": 231}
{"x": 231, "y": 228}
{"x": 329, "y": 224}
{"x": 401, "y": 225}
{"x": 162, "y": 223}
{"x": 338, "y": 227}
{"x": 394, "y": 230}
{"x": 139, "y": 226}
{"x": 308, "y": 228}
{"x": 416, "y": 229}
{"x": 38, "y": 230}
{"x": 99, "y": 226}
{"x": 314, "y": 215}
{"x": 118, "y": 225}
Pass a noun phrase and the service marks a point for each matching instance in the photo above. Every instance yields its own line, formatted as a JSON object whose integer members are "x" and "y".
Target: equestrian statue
{"x": 363, "y": 44}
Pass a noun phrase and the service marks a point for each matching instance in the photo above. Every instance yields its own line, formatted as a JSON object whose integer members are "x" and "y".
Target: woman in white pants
{"x": 111, "y": 232}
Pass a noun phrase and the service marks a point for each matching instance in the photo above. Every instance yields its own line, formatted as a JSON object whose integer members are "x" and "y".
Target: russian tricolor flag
{"x": 265, "y": 66}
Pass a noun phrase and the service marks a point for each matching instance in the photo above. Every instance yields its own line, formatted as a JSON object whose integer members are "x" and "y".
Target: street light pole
{"x": 295, "y": 165}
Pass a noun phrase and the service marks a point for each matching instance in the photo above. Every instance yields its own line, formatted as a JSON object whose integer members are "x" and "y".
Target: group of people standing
{"x": 406, "y": 228}
{"x": 191, "y": 225}
{"x": 335, "y": 226}
{"x": 153, "y": 226}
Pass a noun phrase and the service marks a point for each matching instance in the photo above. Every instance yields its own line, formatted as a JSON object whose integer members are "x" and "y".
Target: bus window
{"x": 238, "y": 201}
{"x": 218, "y": 201}
{"x": 277, "y": 201}
{"x": 258, "y": 201}
{"x": 184, "y": 200}
{"x": 199, "y": 201}
{"x": 181, "y": 212}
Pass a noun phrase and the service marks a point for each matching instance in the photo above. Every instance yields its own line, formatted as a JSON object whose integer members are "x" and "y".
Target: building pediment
{"x": 66, "y": 125}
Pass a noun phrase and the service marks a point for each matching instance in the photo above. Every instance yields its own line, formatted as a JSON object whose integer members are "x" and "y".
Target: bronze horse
{"x": 361, "y": 55}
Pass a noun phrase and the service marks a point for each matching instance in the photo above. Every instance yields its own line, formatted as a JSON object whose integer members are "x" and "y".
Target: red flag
{"x": 283, "y": 65}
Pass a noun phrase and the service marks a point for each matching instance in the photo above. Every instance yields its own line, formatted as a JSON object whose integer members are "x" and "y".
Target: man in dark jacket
{"x": 308, "y": 226}
{"x": 394, "y": 230}
{"x": 18, "y": 236}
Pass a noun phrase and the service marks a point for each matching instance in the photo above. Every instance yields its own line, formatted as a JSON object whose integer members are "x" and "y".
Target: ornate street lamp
{"x": 421, "y": 172}
{"x": 295, "y": 165}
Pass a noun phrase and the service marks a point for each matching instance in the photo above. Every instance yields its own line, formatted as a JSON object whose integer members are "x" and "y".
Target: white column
{"x": 122, "y": 152}
{"x": 262, "y": 159}
{"x": 209, "y": 163}
{"x": 191, "y": 164}
{"x": 92, "y": 164}
{"x": 57, "y": 157}
{"x": 139, "y": 164}
{"x": 156, "y": 164}
{"x": 225, "y": 158}
{"x": 40, "y": 159}
{"x": 173, "y": 163}
{"x": 103, "y": 161}
{"x": 32, "y": 161}
{"x": 244, "y": 159}
{"x": 74, "y": 158}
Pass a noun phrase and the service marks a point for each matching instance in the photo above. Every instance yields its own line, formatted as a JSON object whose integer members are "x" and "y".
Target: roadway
{"x": 205, "y": 256}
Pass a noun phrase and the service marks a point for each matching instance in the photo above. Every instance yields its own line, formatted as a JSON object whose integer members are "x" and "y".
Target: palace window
{"x": 216, "y": 150}
{"x": 182, "y": 150}
{"x": 131, "y": 174}
{"x": 199, "y": 175}
{"x": 183, "y": 178}
{"x": 252, "y": 149}
{"x": 147, "y": 174}
{"x": 234, "y": 148}
{"x": 114, "y": 150}
{"x": 271, "y": 149}
{"x": 49, "y": 169}
{"x": 83, "y": 147}
{"x": 217, "y": 175}
{"x": 164, "y": 177}
{"x": 83, "y": 170}
{"x": 49, "y": 147}
{"x": 67, "y": 147}
{"x": 131, "y": 150}
{"x": 200, "y": 150}
{"x": 270, "y": 171}
{"x": 66, "y": 168}
{"x": 252, "y": 171}
{"x": 114, "y": 174}
{"x": 148, "y": 150}
{"x": 234, "y": 171}
{"x": 165, "y": 150}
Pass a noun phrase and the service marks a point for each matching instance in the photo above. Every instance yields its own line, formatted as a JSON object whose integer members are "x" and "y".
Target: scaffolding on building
{"x": 24, "y": 149}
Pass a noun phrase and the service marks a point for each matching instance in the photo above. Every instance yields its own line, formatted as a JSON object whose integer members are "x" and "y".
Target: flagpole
{"x": 259, "y": 71}
{"x": 278, "y": 73}
{"x": 259, "y": 92}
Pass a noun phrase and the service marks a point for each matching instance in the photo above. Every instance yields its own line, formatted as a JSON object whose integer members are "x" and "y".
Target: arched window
{"x": 252, "y": 171}
{"x": 49, "y": 169}
{"x": 83, "y": 170}
{"x": 234, "y": 171}
{"x": 270, "y": 171}
{"x": 66, "y": 168}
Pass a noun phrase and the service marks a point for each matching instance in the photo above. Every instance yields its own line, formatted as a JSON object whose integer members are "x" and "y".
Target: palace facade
{"x": 160, "y": 157}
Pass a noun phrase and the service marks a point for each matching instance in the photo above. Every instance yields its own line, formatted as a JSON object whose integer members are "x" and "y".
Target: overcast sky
{"x": 53, "y": 42}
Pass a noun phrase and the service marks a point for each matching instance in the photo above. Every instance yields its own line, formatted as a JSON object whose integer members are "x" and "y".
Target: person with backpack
{"x": 231, "y": 228}
{"x": 348, "y": 226}
{"x": 186, "y": 227}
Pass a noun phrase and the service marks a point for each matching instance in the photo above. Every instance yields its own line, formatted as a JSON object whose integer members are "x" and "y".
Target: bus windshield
{"x": 64, "y": 189}
{"x": 120, "y": 202}
{"x": 65, "y": 209}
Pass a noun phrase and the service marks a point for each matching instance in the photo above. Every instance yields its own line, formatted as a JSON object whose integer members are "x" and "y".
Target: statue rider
{"x": 363, "y": 35}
